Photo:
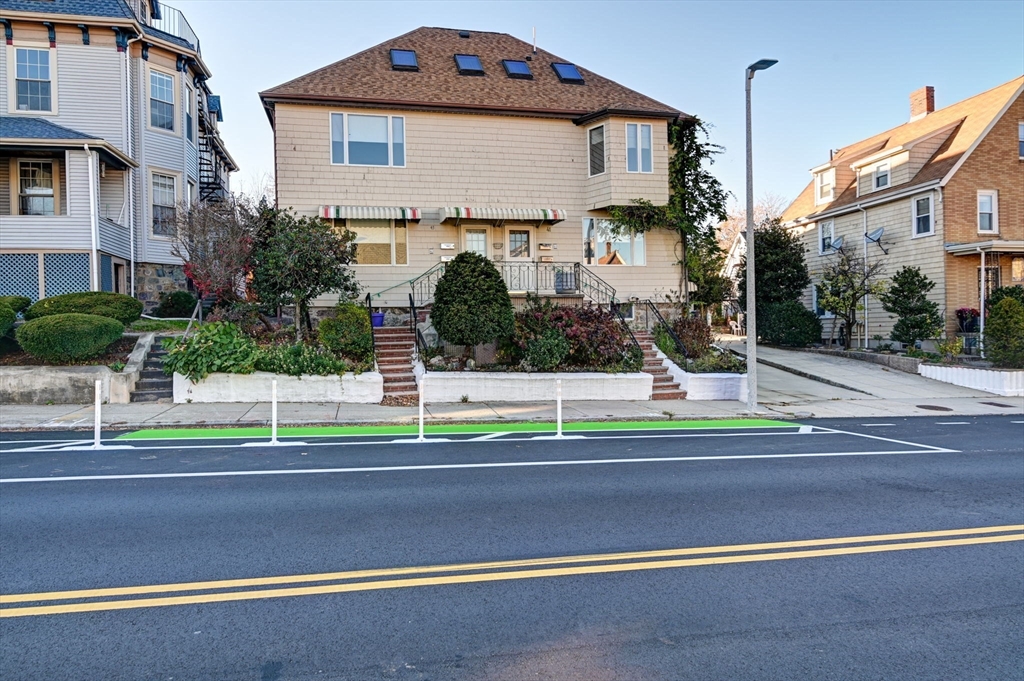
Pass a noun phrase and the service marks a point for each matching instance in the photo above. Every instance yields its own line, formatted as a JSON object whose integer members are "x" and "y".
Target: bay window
{"x": 604, "y": 245}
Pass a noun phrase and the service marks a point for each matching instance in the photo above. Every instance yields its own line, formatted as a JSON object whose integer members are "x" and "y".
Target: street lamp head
{"x": 760, "y": 65}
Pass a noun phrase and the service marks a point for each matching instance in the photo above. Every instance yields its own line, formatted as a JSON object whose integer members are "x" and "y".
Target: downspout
{"x": 94, "y": 223}
{"x": 866, "y": 299}
{"x": 130, "y": 147}
{"x": 981, "y": 310}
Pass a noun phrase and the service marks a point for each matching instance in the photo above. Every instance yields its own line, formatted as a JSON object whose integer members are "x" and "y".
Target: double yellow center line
{"x": 158, "y": 595}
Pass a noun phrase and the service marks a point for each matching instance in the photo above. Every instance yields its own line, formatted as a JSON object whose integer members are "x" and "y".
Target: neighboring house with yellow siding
{"x": 441, "y": 141}
{"x": 943, "y": 192}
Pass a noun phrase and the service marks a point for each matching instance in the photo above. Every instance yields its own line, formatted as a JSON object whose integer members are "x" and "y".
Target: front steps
{"x": 665, "y": 387}
{"x": 153, "y": 384}
{"x": 395, "y": 345}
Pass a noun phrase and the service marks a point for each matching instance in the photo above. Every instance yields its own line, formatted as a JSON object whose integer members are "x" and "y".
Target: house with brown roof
{"x": 943, "y": 192}
{"x": 441, "y": 141}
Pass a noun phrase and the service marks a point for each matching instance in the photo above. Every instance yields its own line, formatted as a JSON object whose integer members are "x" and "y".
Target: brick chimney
{"x": 922, "y": 102}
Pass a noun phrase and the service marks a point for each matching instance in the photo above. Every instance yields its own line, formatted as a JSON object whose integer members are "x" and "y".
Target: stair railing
{"x": 653, "y": 320}
{"x": 617, "y": 311}
{"x": 373, "y": 336}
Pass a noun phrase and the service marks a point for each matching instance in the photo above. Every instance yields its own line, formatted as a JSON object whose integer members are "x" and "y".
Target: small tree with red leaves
{"x": 215, "y": 242}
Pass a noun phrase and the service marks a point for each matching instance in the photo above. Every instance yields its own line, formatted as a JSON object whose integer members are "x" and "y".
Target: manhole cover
{"x": 999, "y": 404}
{"x": 933, "y": 407}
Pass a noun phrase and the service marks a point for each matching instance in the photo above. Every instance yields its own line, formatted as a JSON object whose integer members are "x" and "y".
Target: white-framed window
{"x": 881, "y": 176}
{"x": 193, "y": 196}
{"x": 367, "y": 140}
{"x": 595, "y": 147}
{"x": 639, "y": 152}
{"x": 190, "y": 132}
{"x": 826, "y": 233}
{"x": 603, "y": 245}
{"x": 33, "y": 80}
{"x": 988, "y": 211}
{"x": 1020, "y": 139}
{"x": 818, "y": 309}
{"x": 165, "y": 199}
{"x": 823, "y": 186}
{"x": 161, "y": 100}
{"x": 924, "y": 222}
{"x": 378, "y": 242}
{"x": 474, "y": 240}
{"x": 36, "y": 194}
{"x": 1017, "y": 269}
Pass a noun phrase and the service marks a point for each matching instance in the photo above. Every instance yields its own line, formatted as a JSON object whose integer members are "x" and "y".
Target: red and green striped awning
{"x": 369, "y": 213}
{"x": 513, "y": 214}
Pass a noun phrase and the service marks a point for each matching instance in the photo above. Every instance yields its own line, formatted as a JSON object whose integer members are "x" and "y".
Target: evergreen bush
{"x": 917, "y": 317}
{"x": 1004, "y": 334}
{"x": 176, "y": 304}
{"x": 1015, "y": 292}
{"x": 471, "y": 302}
{"x": 348, "y": 333}
{"x": 547, "y": 352}
{"x": 124, "y": 309}
{"x": 788, "y": 323}
{"x": 16, "y": 303}
{"x": 7, "y": 317}
{"x": 68, "y": 337}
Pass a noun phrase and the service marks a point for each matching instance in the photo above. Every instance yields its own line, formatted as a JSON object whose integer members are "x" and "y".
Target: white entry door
{"x": 520, "y": 272}
{"x": 474, "y": 240}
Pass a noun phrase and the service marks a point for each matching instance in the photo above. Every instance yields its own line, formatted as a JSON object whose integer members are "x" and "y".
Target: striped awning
{"x": 369, "y": 213}
{"x": 515, "y": 214}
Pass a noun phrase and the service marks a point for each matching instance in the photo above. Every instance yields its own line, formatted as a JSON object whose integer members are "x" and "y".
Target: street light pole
{"x": 751, "y": 319}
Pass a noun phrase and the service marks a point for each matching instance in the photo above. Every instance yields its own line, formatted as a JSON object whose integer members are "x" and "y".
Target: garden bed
{"x": 1005, "y": 382}
{"x": 707, "y": 386}
{"x": 116, "y": 353}
{"x": 364, "y": 388}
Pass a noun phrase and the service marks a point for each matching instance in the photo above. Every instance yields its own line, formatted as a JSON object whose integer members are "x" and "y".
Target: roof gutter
{"x": 70, "y": 143}
{"x": 861, "y": 205}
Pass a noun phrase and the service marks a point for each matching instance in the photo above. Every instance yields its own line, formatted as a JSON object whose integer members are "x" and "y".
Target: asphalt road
{"x": 889, "y": 551}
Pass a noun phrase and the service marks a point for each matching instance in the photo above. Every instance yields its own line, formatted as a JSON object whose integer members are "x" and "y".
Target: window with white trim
{"x": 604, "y": 245}
{"x": 596, "y": 147}
{"x": 818, "y": 309}
{"x": 35, "y": 188}
{"x": 378, "y": 242}
{"x": 161, "y": 101}
{"x": 190, "y": 133}
{"x": 823, "y": 186}
{"x": 32, "y": 79}
{"x": 367, "y": 140}
{"x": 165, "y": 198}
{"x": 988, "y": 211}
{"x": 638, "y": 148}
{"x": 881, "y": 176}
{"x": 826, "y": 232}
{"x": 923, "y": 221}
{"x": 1020, "y": 139}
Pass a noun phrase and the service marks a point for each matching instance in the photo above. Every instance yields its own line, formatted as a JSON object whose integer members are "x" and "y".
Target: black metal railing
{"x": 423, "y": 286}
{"x": 647, "y": 315}
{"x": 373, "y": 336}
{"x": 616, "y": 309}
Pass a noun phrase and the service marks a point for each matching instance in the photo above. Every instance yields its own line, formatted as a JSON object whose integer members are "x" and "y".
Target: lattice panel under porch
{"x": 19, "y": 275}
{"x": 65, "y": 273}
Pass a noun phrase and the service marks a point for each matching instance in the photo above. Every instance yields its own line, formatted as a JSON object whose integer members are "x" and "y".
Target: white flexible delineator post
{"x": 273, "y": 412}
{"x": 97, "y": 419}
{"x": 423, "y": 383}
{"x": 558, "y": 408}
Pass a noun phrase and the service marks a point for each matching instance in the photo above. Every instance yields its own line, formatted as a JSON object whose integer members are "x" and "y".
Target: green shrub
{"x": 176, "y": 304}
{"x": 1015, "y": 292}
{"x": 471, "y": 302}
{"x": 788, "y": 323}
{"x": 348, "y": 333}
{"x": 547, "y": 352}
{"x": 296, "y": 360}
{"x": 217, "y": 346}
{"x": 1004, "y": 334}
{"x": 16, "y": 303}
{"x": 245, "y": 316}
{"x": 68, "y": 337}
{"x": 917, "y": 317}
{"x": 716, "y": 362}
{"x": 124, "y": 309}
{"x": 7, "y": 317}
{"x": 695, "y": 335}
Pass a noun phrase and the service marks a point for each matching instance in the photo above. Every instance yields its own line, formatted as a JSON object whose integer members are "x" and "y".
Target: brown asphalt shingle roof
{"x": 367, "y": 78}
{"x": 971, "y": 117}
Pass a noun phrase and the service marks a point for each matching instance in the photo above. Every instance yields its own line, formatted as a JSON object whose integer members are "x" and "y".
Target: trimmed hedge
{"x": 1004, "y": 334}
{"x": 124, "y": 309}
{"x": 471, "y": 302}
{"x": 348, "y": 333}
{"x": 788, "y": 323}
{"x": 16, "y": 303}
{"x": 176, "y": 304}
{"x": 68, "y": 337}
{"x": 7, "y": 317}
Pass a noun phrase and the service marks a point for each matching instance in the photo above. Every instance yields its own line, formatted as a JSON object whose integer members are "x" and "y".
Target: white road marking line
{"x": 804, "y": 430}
{"x": 889, "y": 439}
{"x": 952, "y": 423}
{"x": 452, "y": 466}
{"x": 50, "y": 447}
{"x": 877, "y": 425}
{"x": 1016, "y": 421}
{"x": 488, "y": 436}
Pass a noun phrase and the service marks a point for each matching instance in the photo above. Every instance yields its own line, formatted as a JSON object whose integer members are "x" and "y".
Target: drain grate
{"x": 933, "y": 407}
{"x": 999, "y": 404}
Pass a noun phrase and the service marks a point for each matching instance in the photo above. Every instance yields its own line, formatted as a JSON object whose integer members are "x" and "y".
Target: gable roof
{"x": 82, "y": 8}
{"x": 367, "y": 79}
{"x": 970, "y": 118}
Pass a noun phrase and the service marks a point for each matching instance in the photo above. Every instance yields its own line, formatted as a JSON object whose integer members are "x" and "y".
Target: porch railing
{"x": 647, "y": 316}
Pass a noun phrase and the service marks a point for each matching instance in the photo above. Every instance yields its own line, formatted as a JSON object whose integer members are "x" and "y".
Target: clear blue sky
{"x": 845, "y": 70}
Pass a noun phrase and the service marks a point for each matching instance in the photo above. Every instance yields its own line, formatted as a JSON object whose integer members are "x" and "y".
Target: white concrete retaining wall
{"x": 1005, "y": 382}
{"x": 486, "y": 386}
{"x": 364, "y": 388}
{"x": 707, "y": 386}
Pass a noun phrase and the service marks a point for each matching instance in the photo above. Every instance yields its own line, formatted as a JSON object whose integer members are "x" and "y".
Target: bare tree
{"x": 215, "y": 242}
{"x": 844, "y": 283}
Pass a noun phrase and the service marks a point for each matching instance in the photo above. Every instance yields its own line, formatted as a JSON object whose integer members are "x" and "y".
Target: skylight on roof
{"x": 404, "y": 60}
{"x": 469, "y": 65}
{"x": 567, "y": 73}
{"x": 517, "y": 69}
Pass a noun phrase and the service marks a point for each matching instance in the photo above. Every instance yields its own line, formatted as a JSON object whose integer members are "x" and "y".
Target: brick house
{"x": 107, "y": 124}
{"x": 943, "y": 192}
{"x": 440, "y": 141}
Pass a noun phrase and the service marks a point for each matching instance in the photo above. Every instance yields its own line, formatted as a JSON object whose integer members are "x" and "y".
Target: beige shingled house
{"x": 943, "y": 192}
{"x": 441, "y": 141}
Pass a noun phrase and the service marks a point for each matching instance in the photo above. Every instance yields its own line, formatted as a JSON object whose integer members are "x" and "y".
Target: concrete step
{"x": 165, "y": 383}
{"x": 394, "y": 354}
{"x": 401, "y": 388}
{"x": 396, "y": 359}
{"x": 392, "y": 371}
{"x": 669, "y": 395}
{"x": 153, "y": 373}
{"x": 152, "y": 395}
{"x": 392, "y": 331}
{"x": 662, "y": 379}
{"x": 153, "y": 364}
{"x": 656, "y": 370}
{"x": 394, "y": 346}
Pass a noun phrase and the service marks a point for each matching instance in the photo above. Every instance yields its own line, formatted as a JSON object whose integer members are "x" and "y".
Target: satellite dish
{"x": 837, "y": 244}
{"x": 876, "y": 237}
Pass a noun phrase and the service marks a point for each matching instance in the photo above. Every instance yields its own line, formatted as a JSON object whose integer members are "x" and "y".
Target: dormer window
{"x": 568, "y": 73}
{"x": 881, "y": 176}
{"x": 469, "y": 65}
{"x": 404, "y": 60}
{"x": 823, "y": 186}
{"x": 517, "y": 69}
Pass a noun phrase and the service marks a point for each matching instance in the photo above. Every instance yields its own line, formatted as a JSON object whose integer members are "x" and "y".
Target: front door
{"x": 520, "y": 272}
{"x": 474, "y": 240}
